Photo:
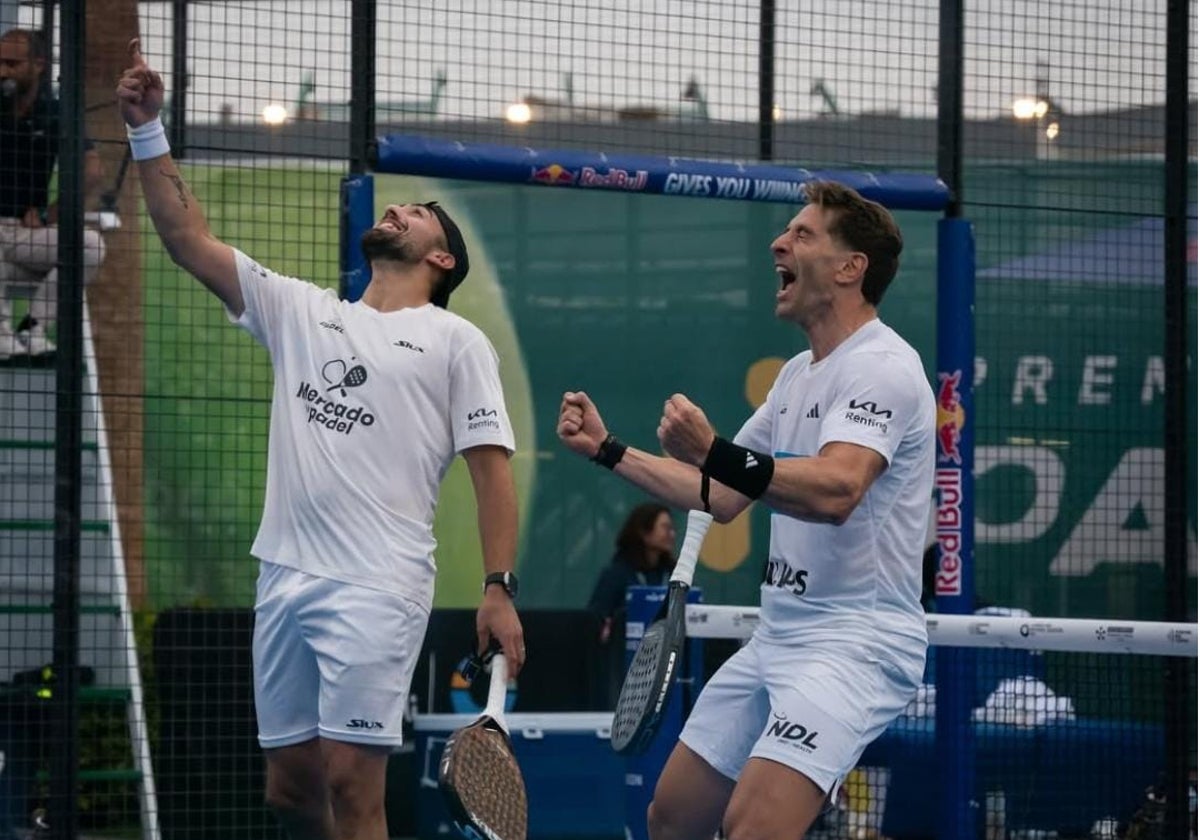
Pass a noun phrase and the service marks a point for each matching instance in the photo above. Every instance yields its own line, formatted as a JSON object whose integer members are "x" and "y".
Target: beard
{"x": 380, "y": 245}
{"x": 10, "y": 94}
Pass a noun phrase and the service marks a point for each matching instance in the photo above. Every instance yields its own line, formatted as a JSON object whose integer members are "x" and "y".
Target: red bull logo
{"x": 948, "y": 483}
{"x": 555, "y": 175}
{"x": 950, "y": 415}
{"x": 614, "y": 179}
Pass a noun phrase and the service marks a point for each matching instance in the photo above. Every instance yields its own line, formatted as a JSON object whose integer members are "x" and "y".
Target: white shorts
{"x": 331, "y": 659}
{"x": 812, "y": 708}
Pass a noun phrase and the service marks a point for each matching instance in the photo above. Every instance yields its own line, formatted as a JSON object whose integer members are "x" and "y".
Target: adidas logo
{"x": 751, "y": 461}
{"x": 814, "y": 412}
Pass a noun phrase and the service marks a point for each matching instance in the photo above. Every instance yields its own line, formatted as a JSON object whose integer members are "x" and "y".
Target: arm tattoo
{"x": 179, "y": 185}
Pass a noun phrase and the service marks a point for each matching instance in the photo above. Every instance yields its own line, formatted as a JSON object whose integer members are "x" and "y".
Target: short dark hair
{"x": 631, "y": 542}
{"x": 863, "y": 225}
{"x": 33, "y": 41}
{"x": 457, "y": 246}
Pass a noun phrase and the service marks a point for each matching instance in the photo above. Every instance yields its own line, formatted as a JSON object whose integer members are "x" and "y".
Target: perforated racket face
{"x": 482, "y": 784}
{"x": 636, "y": 718}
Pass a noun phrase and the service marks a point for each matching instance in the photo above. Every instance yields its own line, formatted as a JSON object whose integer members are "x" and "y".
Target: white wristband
{"x": 149, "y": 140}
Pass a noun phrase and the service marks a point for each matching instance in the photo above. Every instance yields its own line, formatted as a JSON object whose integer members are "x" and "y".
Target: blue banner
{"x": 411, "y": 155}
{"x": 954, "y": 583}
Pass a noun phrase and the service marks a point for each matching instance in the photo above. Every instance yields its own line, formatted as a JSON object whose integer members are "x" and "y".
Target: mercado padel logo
{"x": 332, "y": 404}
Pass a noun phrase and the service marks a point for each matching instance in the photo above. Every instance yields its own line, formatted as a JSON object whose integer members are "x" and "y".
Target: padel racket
{"x": 648, "y": 681}
{"x": 478, "y": 775}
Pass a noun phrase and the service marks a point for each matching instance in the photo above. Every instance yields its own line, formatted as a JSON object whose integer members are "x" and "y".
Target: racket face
{"x": 645, "y": 691}
{"x": 482, "y": 784}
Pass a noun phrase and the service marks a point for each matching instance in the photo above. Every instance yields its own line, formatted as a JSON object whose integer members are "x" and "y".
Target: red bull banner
{"x": 953, "y": 487}
{"x": 954, "y": 499}
{"x": 948, "y": 484}
{"x": 402, "y": 154}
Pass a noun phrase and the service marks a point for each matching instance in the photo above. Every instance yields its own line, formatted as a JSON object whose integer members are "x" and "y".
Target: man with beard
{"x": 29, "y": 132}
{"x": 372, "y": 400}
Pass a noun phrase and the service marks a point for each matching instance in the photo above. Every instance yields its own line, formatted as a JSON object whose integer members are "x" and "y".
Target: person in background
{"x": 645, "y": 556}
{"x": 29, "y": 137}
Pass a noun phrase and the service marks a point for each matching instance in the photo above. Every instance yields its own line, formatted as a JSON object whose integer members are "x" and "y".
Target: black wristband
{"x": 739, "y": 468}
{"x": 610, "y": 453}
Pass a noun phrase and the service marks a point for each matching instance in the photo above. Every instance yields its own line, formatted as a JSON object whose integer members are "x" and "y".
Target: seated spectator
{"x": 29, "y": 137}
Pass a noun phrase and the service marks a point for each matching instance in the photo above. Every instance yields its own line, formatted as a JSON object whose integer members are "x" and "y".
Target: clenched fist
{"x": 579, "y": 424}
{"x": 684, "y": 431}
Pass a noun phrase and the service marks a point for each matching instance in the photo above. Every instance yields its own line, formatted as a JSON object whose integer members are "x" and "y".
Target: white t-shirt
{"x": 861, "y": 580}
{"x": 368, "y": 411}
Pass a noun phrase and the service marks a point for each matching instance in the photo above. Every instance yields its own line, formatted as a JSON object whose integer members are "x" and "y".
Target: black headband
{"x": 458, "y": 249}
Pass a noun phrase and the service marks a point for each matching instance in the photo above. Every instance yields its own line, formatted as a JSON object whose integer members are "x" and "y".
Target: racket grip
{"x": 697, "y": 526}
{"x": 498, "y": 684}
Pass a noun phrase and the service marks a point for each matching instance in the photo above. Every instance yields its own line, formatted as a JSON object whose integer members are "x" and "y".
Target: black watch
{"x": 506, "y": 579}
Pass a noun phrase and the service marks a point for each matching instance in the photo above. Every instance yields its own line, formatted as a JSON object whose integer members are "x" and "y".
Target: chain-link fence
{"x": 1074, "y": 130}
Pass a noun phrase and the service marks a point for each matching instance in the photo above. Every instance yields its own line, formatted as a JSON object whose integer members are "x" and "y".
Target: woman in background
{"x": 645, "y": 556}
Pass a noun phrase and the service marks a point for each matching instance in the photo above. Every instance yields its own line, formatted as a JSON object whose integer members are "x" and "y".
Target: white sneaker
{"x": 35, "y": 341}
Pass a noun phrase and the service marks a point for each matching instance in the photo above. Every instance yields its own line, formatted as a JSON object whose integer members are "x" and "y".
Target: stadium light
{"x": 519, "y": 113}
{"x": 1052, "y": 131}
{"x": 1027, "y": 108}
{"x": 274, "y": 114}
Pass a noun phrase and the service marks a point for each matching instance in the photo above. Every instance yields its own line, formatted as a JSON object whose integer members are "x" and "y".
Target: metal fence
{"x": 135, "y": 454}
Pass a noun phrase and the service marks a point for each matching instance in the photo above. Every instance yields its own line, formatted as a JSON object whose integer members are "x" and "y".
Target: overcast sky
{"x": 873, "y": 55}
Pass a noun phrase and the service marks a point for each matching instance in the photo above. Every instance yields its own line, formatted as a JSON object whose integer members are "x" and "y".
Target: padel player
{"x": 372, "y": 400}
{"x": 842, "y": 452}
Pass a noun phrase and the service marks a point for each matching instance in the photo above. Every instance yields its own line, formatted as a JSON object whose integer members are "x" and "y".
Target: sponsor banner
{"x": 742, "y": 181}
{"x": 949, "y": 520}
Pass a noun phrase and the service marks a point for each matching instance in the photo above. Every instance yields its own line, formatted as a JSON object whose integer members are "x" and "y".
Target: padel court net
{"x": 1063, "y": 728}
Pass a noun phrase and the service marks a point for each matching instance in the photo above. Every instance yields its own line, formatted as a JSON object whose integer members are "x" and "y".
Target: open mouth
{"x": 392, "y": 221}
{"x": 786, "y": 278}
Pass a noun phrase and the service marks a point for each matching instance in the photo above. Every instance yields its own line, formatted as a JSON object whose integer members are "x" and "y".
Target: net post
{"x": 356, "y": 215}
{"x": 1176, "y": 723}
{"x": 362, "y": 83}
{"x": 954, "y": 494}
{"x": 177, "y": 128}
{"x": 766, "y": 80}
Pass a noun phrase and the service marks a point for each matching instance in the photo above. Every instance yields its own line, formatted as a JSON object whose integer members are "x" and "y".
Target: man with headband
{"x": 372, "y": 401}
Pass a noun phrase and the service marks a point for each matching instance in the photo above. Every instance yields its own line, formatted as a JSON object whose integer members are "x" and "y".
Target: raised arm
{"x": 826, "y": 487}
{"x": 175, "y": 211}
{"x": 674, "y": 482}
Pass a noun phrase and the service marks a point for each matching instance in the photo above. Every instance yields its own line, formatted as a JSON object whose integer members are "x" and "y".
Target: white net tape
{"x": 1090, "y": 635}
